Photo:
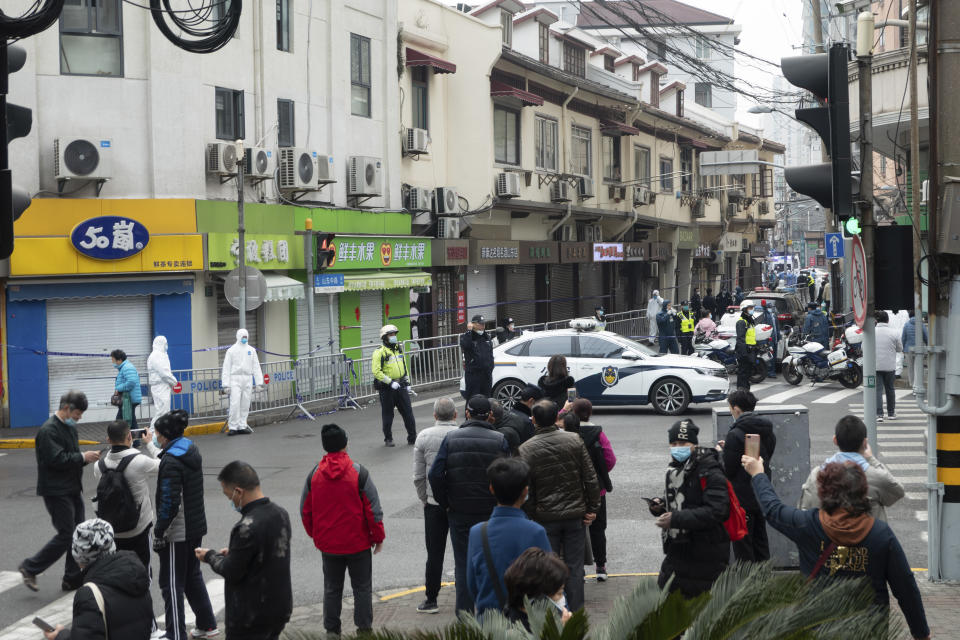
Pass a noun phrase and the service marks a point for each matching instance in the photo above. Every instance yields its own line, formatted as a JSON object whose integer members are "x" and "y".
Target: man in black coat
{"x": 754, "y": 547}
{"x": 514, "y": 426}
{"x": 256, "y": 565}
{"x": 60, "y": 483}
{"x": 710, "y": 303}
{"x": 692, "y": 514}
{"x": 458, "y": 478}
{"x": 695, "y": 302}
{"x": 477, "y": 351}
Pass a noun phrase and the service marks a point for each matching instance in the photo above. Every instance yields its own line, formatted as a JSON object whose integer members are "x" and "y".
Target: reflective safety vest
{"x": 686, "y": 323}
{"x": 751, "y": 337}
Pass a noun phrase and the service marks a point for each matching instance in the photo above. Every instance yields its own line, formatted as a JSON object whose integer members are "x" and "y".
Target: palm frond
{"x": 629, "y": 611}
{"x": 671, "y": 618}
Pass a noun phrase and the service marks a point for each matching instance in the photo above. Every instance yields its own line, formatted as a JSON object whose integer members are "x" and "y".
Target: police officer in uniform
{"x": 508, "y": 331}
{"x": 746, "y": 344}
{"x": 392, "y": 383}
{"x": 687, "y": 324}
{"x": 477, "y": 359}
{"x": 601, "y": 317}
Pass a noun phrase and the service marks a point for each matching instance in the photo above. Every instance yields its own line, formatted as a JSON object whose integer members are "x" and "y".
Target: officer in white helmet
{"x": 392, "y": 383}
{"x": 746, "y": 344}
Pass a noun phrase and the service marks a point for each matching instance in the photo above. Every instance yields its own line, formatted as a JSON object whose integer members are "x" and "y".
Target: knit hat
{"x": 172, "y": 425}
{"x": 91, "y": 540}
{"x": 333, "y": 438}
{"x": 683, "y": 431}
{"x": 479, "y": 407}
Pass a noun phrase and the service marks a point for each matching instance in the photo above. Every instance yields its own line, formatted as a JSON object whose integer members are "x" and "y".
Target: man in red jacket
{"x": 341, "y": 511}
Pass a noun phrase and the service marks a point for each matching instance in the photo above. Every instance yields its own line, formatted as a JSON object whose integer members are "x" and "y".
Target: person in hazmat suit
{"x": 160, "y": 378}
{"x": 241, "y": 373}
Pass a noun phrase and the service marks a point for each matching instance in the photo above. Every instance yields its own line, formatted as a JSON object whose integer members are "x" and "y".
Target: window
{"x": 506, "y": 22}
{"x": 229, "y": 110}
{"x": 686, "y": 169}
{"x": 359, "y": 75}
{"x": 283, "y": 25}
{"x": 545, "y": 143}
{"x": 506, "y": 135}
{"x": 680, "y": 103}
{"x": 551, "y": 346}
{"x": 581, "y": 159}
{"x": 654, "y": 89}
{"x": 657, "y": 50}
{"x": 641, "y": 165}
{"x": 544, "y": 42}
{"x": 286, "y": 136}
{"x": 91, "y": 38}
{"x": 610, "y": 153}
{"x": 520, "y": 349}
{"x": 608, "y": 63}
{"x": 883, "y": 166}
{"x": 574, "y": 60}
{"x": 666, "y": 175}
{"x": 703, "y": 94}
{"x": 420, "y": 96}
{"x": 594, "y": 347}
{"x": 636, "y": 72}
{"x": 703, "y": 48}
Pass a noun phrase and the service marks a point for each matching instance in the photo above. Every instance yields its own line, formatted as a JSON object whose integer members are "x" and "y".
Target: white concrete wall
{"x": 203, "y": 317}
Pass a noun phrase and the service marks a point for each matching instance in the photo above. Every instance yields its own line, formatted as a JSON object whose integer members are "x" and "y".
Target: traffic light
{"x": 16, "y": 121}
{"x": 325, "y": 251}
{"x": 825, "y": 75}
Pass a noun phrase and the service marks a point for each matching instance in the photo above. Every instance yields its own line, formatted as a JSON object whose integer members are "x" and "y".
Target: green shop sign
{"x": 370, "y": 252}
{"x": 263, "y": 251}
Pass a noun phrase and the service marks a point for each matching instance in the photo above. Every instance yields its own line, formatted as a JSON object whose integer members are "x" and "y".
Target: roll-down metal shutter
{"x": 591, "y": 288}
{"x": 522, "y": 287}
{"x": 371, "y": 320}
{"x": 321, "y": 325}
{"x": 482, "y": 292}
{"x": 228, "y": 321}
{"x": 562, "y": 292}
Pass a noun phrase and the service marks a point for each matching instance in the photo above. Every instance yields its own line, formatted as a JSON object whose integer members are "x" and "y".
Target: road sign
{"x": 266, "y": 378}
{"x": 256, "y": 288}
{"x": 328, "y": 283}
{"x": 858, "y": 282}
{"x": 177, "y": 388}
{"x": 834, "y": 245}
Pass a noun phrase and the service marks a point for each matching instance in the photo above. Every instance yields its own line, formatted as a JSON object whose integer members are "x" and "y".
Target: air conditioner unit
{"x": 560, "y": 191}
{"x": 448, "y": 227}
{"x": 641, "y": 196}
{"x": 364, "y": 176}
{"x": 446, "y": 200}
{"x": 654, "y": 269}
{"x": 221, "y": 158}
{"x": 568, "y": 233}
{"x": 415, "y": 141}
{"x": 298, "y": 169}
{"x": 763, "y": 207}
{"x": 83, "y": 158}
{"x": 653, "y": 196}
{"x": 508, "y": 185}
{"x": 325, "y": 170}
{"x": 698, "y": 209}
{"x": 419, "y": 199}
{"x": 585, "y": 188}
{"x": 258, "y": 162}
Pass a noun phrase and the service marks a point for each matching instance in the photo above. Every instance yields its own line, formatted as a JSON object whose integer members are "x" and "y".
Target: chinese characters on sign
{"x": 109, "y": 237}
{"x": 176, "y": 264}
{"x": 259, "y": 252}
{"x": 607, "y": 251}
{"x": 364, "y": 252}
{"x": 494, "y": 253}
{"x": 461, "y": 307}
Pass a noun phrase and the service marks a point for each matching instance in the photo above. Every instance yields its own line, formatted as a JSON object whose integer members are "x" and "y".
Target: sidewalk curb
{"x": 194, "y": 430}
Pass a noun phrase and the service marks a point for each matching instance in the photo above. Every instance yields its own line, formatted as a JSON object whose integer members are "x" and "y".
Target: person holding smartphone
{"x": 751, "y": 434}
{"x": 557, "y": 382}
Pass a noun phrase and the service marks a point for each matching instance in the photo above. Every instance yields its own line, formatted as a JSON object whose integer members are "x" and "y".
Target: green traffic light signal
{"x": 852, "y": 226}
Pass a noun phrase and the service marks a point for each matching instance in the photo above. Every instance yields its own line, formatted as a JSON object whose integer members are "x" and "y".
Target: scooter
{"x": 723, "y": 352}
{"x": 811, "y": 359}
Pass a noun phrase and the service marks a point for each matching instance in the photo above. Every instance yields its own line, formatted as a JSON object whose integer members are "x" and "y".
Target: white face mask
{"x": 560, "y": 604}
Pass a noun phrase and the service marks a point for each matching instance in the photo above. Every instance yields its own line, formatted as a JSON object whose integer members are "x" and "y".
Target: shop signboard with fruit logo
{"x": 379, "y": 252}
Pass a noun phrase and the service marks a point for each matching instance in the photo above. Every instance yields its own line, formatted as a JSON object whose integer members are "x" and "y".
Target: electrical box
{"x": 789, "y": 467}
{"x": 948, "y": 231}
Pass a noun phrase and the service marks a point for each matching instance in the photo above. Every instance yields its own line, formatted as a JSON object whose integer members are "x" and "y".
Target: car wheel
{"x": 670, "y": 397}
{"x": 508, "y": 392}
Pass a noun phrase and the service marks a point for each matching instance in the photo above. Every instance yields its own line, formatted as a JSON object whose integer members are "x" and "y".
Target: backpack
{"x": 736, "y": 522}
{"x": 115, "y": 501}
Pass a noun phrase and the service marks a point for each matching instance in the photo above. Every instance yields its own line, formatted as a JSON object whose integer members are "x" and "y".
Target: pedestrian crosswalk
{"x": 60, "y": 611}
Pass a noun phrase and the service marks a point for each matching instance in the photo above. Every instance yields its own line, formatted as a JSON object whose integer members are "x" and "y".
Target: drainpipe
{"x": 562, "y": 221}
{"x": 633, "y": 220}
{"x": 563, "y": 129}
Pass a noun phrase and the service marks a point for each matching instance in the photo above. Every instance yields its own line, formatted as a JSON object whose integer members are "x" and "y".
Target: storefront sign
{"x": 367, "y": 252}
{"x": 494, "y": 252}
{"x": 634, "y": 251}
{"x": 538, "y": 253}
{"x": 607, "y": 251}
{"x": 328, "y": 283}
{"x": 702, "y": 252}
{"x": 660, "y": 251}
{"x": 461, "y": 307}
{"x": 264, "y": 251}
{"x": 109, "y": 237}
{"x": 687, "y": 237}
{"x": 759, "y": 249}
{"x": 575, "y": 252}
{"x": 731, "y": 242}
{"x": 451, "y": 253}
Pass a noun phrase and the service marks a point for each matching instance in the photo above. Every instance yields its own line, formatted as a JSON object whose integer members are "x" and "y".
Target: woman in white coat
{"x": 160, "y": 377}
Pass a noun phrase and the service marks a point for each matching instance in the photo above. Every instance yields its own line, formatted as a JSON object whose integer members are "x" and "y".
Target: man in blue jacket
{"x": 908, "y": 338}
{"x": 667, "y": 328}
{"x": 504, "y": 537}
{"x": 816, "y": 326}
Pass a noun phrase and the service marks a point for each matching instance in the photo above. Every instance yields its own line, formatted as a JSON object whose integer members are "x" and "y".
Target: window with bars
{"x": 420, "y": 96}
{"x": 641, "y": 165}
{"x": 581, "y": 154}
{"x": 703, "y": 94}
{"x": 544, "y": 37}
{"x": 228, "y": 104}
{"x": 286, "y": 134}
{"x": 91, "y": 38}
{"x": 360, "y": 75}
{"x": 574, "y": 59}
{"x": 506, "y": 135}
{"x": 545, "y": 143}
{"x": 283, "y": 25}
{"x": 686, "y": 169}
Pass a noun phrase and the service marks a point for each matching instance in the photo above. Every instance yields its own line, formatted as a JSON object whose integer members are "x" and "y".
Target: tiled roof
{"x": 625, "y": 13}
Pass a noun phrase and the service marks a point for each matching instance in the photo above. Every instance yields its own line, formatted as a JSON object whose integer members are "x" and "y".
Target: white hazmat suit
{"x": 160, "y": 377}
{"x": 241, "y": 372}
{"x": 653, "y": 308}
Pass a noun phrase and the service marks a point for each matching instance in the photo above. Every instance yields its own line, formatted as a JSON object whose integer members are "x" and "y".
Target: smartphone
{"x": 751, "y": 445}
{"x": 571, "y": 394}
{"x": 44, "y": 625}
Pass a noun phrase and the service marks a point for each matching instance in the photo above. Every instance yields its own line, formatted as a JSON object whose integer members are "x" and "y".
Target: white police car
{"x": 609, "y": 369}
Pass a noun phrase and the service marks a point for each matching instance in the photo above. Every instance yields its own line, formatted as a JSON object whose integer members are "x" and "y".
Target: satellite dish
{"x": 256, "y": 288}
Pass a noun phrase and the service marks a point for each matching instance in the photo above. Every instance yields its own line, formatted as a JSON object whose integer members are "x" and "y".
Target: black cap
{"x": 508, "y": 321}
{"x": 333, "y": 438}
{"x": 478, "y": 406}
{"x": 684, "y": 431}
{"x": 477, "y": 318}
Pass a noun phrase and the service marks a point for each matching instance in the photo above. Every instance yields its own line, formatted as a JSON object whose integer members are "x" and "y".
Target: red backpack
{"x": 736, "y": 522}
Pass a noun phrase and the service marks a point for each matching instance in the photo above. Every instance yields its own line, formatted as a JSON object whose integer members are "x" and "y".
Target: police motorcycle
{"x": 722, "y": 351}
{"x": 810, "y": 359}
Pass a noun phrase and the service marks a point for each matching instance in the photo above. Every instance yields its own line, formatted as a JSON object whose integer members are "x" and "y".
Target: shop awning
{"x": 376, "y": 280}
{"x": 611, "y": 128}
{"x": 281, "y": 287}
{"x": 419, "y": 59}
{"x": 503, "y": 90}
{"x": 98, "y": 289}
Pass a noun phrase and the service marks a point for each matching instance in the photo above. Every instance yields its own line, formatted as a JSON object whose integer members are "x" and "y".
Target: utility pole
{"x": 242, "y": 247}
{"x": 915, "y": 159}
{"x": 865, "y": 69}
{"x": 308, "y": 285}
